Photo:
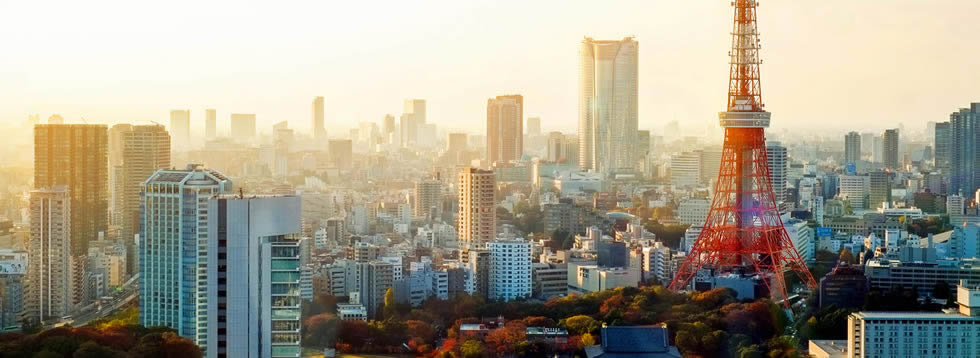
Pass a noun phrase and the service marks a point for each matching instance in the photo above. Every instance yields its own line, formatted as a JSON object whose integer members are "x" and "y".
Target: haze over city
{"x": 828, "y": 64}
{"x": 490, "y": 179}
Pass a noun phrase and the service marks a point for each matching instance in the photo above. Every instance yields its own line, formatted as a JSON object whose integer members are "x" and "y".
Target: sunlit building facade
{"x": 608, "y": 105}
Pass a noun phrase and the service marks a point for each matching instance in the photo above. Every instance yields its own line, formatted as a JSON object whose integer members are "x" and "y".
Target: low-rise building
{"x": 918, "y": 334}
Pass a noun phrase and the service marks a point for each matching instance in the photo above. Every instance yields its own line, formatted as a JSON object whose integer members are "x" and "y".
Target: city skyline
{"x": 676, "y": 70}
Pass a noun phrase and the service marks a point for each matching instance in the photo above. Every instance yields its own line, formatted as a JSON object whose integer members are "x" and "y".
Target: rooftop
{"x": 912, "y": 316}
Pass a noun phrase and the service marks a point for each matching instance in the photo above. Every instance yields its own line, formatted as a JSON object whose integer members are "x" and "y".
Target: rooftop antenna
{"x": 241, "y": 193}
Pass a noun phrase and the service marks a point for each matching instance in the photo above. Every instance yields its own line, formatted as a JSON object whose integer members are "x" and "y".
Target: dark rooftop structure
{"x": 633, "y": 341}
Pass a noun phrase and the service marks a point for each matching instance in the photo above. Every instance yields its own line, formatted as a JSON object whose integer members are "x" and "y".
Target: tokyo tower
{"x": 743, "y": 232}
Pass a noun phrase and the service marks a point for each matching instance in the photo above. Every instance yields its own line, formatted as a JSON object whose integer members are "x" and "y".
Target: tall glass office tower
{"x": 607, "y": 124}
{"x": 173, "y": 249}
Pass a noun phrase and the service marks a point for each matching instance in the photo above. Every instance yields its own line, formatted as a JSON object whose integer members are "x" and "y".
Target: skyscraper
{"x": 50, "y": 287}
{"x": 388, "y": 128}
{"x": 416, "y": 107}
{"x": 374, "y": 278}
{"x": 409, "y": 129}
{"x": 146, "y": 149}
{"x": 964, "y": 148}
{"x": 76, "y": 155}
{"x": 890, "y": 141}
{"x": 943, "y": 141}
{"x": 476, "y": 222}
{"x": 778, "y": 164}
{"x": 319, "y": 132}
{"x": 243, "y": 126}
{"x": 340, "y": 152}
{"x": 607, "y": 124}
{"x": 253, "y": 270}
{"x": 533, "y": 126}
{"x": 210, "y": 123}
{"x": 881, "y": 188}
{"x": 509, "y": 276}
{"x": 505, "y": 138}
{"x": 173, "y": 249}
{"x": 428, "y": 195}
{"x": 852, "y": 148}
{"x": 556, "y": 146}
{"x": 180, "y": 128}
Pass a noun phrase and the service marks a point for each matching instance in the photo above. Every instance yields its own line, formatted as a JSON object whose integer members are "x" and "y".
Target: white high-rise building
{"x": 855, "y": 189}
{"x": 510, "y": 269}
{"x": 477, "y": 220}
{"x": 693, "y": 211}
{"x": 173, "y": 249}
{"x": 685, "y": 169}
{"x": 608, "y": 105}
{"x": 51, "y": 290}
{"x": 180, "y": 128}
{"x": 253, "y": 276}
{"x": 778, "y": 164}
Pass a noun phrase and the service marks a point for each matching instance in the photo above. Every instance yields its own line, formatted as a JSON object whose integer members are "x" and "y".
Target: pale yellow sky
{"x": 833, "y": 63}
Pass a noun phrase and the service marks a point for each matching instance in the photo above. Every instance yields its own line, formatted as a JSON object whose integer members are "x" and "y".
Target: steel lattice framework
{"x": 743, "y": 232}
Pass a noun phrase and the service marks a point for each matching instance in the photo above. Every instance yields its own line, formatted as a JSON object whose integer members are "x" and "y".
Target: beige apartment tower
{"x": 76, "y": 155}
{"x": 50, "y": 285}
{"x": 476, "y": 222}
{"x": 505, "y": 129}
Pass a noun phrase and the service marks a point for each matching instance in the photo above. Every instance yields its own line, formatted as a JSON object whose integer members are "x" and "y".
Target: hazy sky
{"x": 834, "y": 63}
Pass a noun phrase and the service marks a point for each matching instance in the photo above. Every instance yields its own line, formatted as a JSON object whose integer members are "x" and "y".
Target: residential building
{"x": 476, "y": 221}
{"x": 856, "y": 190}
{"x": 13, "y": 269}
{"x": 685, "y": 169}
{"x": 852, "y": 148}
{"x": 76, "y": 155}
{"x": 608, "y": 85}
{"x": 428, "y": 198}
{"x": 880, "y": 185}
{"x": 253, "y": 276}
{"x": 510, "y": 269}
{"x": 173, "y": 249}
{"x": 374, "y": 280}
{"x": 778, "y": 165}
{"x": 505, "y": 129}
{"x": 693, "y": 211}
{"x": 319, "y": 131}
{"x": 180, "y": 128}
{"x": 145, "y": 149}
{"x": 210, "y": 123}
{"x": 51, "y": 290}
{"x": 964, "y": 154}
{"x": 942, "y": 147}
{"x": 891, "y": 159}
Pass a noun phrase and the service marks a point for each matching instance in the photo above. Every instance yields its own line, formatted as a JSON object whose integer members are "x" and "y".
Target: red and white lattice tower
{"x": 743, "y": 232}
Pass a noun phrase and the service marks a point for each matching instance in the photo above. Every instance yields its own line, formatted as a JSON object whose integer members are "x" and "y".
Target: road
{"x": 126, "y": 294}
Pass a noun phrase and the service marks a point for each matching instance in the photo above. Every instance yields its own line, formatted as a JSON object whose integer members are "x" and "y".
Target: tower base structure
{"x": 744, "y": 233}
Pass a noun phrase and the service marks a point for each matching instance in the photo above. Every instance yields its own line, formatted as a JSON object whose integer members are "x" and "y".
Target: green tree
{"x": 471, "y": 349}
{"x": 581, "y": 324}
{"x": 91, "y": 349}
